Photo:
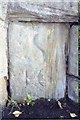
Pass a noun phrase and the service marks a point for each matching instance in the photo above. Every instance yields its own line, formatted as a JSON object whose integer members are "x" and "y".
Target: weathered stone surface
{"x": 73, "y": 89}
{"x": 3, "y": 63}
{"x": 3, "y": 46}
{"x": 3, "y": 92}
{"x": 3, "y": 51}
{"x": 3, "y": 9}
{"x": 37, "y": 59}
{"x": 73, "y": 63}
{"x": 43, "y": 10}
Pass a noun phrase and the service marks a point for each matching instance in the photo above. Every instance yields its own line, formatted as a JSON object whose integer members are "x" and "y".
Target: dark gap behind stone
{"x": 8, "y": 56}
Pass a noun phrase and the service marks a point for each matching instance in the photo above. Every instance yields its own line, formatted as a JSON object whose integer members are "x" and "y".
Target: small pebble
{"x": 27, "y": 103}
{"x": 49, "y": 100}
{"x": 61, "y": 116}
{"x": 20, "y": 104}
{"x": 23, "y": 104}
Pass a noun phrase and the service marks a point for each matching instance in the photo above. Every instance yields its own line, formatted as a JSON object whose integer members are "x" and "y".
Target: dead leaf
{"x": 73, "y": 115}
{"x": 59, "y": 103}
{"x": 16, "y": 113}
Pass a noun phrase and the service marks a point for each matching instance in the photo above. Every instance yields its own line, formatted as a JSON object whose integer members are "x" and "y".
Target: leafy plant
{"x": 29, "y": 100}
{"x": 13, "y": 103}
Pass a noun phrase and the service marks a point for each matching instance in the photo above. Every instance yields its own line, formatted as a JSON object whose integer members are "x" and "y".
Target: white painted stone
{"x": 37, "y": 59}
{"x": 73, "y": 64}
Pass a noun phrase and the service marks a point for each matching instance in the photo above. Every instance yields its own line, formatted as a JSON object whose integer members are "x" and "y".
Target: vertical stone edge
{"x": 61, "y": 66}
{"x": 3, "y": 54}
{"x": 73, "y": 64}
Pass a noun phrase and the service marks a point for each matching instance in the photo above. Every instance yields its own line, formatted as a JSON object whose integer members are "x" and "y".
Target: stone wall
{"x": 32, "y": 47}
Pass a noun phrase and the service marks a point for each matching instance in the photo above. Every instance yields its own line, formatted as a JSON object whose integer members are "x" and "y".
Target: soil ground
{"x": 44, "y": 109}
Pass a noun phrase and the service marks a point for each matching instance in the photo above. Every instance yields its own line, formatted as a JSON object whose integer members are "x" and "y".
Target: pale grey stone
{"x": 3, "y": 9}
{"x": 73, "y": 58}
{"x": 43, "y": 11}
{"x": 3, "y": 50}
{"x": 3, "y": 53}
{"x": 73, "y": 89}
{"x": 73, "y": 63}
{"x": 37, "y": 59}
{"x": 3, "y": 91}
